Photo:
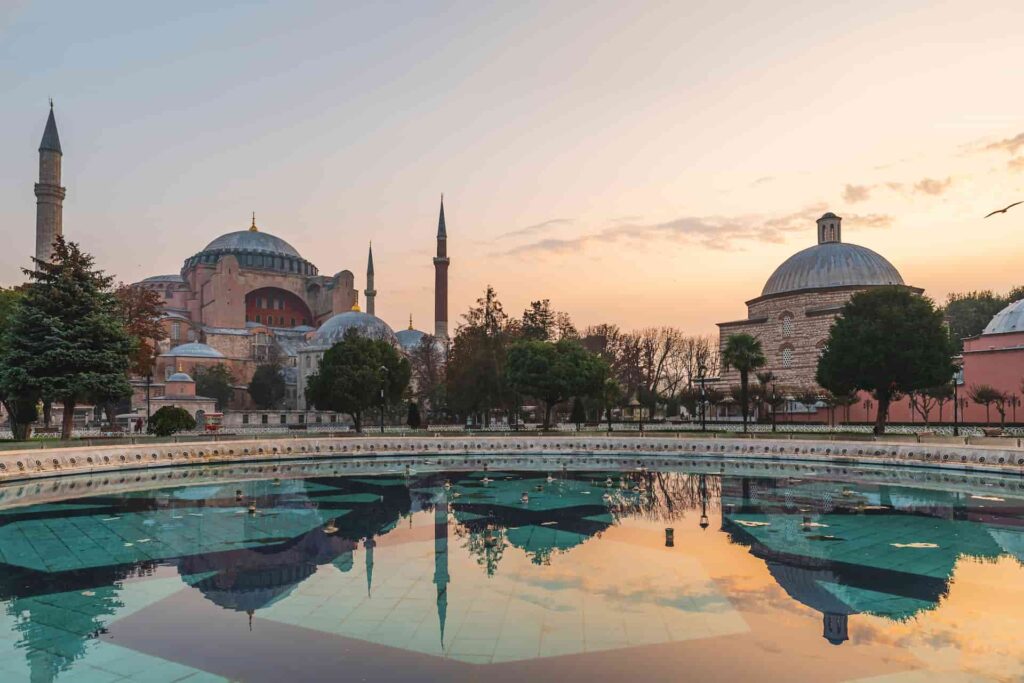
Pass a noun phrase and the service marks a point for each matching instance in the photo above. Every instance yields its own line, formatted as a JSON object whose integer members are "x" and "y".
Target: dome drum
{"x": 254, "y": 249}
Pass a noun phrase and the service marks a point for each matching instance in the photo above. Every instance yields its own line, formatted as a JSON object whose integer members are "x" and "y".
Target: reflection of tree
{"x": 663, "y": 496}
{"x": 487, "y": 545}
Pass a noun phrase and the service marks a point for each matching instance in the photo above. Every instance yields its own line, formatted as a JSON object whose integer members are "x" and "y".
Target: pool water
{"x": 374, "y": 570}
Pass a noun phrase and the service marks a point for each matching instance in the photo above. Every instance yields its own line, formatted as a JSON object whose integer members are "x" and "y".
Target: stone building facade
{"x": 802, "y": 298}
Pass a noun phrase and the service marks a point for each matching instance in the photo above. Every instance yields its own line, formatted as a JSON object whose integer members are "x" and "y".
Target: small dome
{"x": 1010, "y": 319}
{"x": 828, "y": 215}
{"x": 410, "y": 339}
{"x": 194, "y": 350}
{"x": 164, "y": 278}
{"x": 831, "y": 264}
{"x": 336, "y": 327}
{"x": 180, "y": 377}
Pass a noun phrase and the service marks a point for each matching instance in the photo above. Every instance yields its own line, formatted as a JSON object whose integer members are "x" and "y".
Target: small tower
{"x": 49, "y": 193}
{"x": 830, "y": 228}
{"x": 370, "y": 292}
{"x": 441, "y": 262}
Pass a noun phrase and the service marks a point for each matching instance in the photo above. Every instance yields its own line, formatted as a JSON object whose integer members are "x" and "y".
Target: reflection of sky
{"x": 614, "y": 586}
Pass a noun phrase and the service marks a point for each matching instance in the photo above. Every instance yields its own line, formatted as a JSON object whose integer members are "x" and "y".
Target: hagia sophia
{"x": 248, "y": 296}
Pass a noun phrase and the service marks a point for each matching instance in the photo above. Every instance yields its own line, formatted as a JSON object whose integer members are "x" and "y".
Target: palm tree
{"x": 743, "y": 353}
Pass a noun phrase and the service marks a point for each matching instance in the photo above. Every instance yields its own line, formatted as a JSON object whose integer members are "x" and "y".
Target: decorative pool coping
{"x": 35, "y": 463}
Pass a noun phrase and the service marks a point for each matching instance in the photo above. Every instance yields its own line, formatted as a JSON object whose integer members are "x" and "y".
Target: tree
{"x": 215, "y": 382}
{"x": 413, "y": 420}
{"x": 611, "y": 394}
{"x": 578, "y": 414}
{"x": 742, "y": 352}
{"x": 942, "y": 394}
{"x": 476, "y": 379}
{"x": 171, "y": 419}
{"x": 21, "y": 410}
{"x": 352, "y": 374}
{"x": 66, "y": 339}
{"x": 986, "y": 395}
{"x": 141, "y": 310}
{"x": 889, "y": 341}
{"x": 554, "y": 372}
{"x": 427, "y": 361}
{"x": 267, "y": 387}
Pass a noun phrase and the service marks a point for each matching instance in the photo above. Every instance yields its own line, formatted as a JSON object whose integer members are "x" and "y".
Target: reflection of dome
{"x": 1010, "y": 319}
{"x": 410, "y": 339}
{"x": 336, "y": 327}
{"x": 180, "y": 377}
{"x": 194, "y": 350}
{"x": 831, "y": 264}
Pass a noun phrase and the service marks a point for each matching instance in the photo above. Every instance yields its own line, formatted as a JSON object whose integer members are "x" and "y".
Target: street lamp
{"x": 957, "y": 408}
{"x": 384, "y": 374}
{"x": 775, "y": 400}
{"x": 701, "y": 372}
{"x": 149, "y": 381}
{"x": 703, "y": 502}
{"x": 634, "y": 404}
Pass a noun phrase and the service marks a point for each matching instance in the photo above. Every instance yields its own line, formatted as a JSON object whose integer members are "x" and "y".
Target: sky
{"x": 637, "y": 163}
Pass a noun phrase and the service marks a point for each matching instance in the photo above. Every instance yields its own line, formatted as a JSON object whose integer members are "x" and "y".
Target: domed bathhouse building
{"x": 249, "y": 296}
{"x": 798, "y": 303}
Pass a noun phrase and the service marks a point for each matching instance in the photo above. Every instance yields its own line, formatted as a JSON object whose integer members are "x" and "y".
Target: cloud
{"x": 537, "y": 227}
{"x": 932, "y": 186}
{"x": 1010, "y": 145}
{"x": 1016, "y": 164}
{"x": 856, "y": 193}
{"x": 763, "y": 179}
{"x": 710, "y": 232}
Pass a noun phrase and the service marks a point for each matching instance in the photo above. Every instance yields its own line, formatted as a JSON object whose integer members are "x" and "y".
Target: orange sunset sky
{"x": 637, "y": 163}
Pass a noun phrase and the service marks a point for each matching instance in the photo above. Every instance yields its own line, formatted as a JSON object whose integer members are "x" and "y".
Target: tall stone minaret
{"x": 370, "y": 292}
{"x": 49, "y": 193}
{"x": 441, "y": 262}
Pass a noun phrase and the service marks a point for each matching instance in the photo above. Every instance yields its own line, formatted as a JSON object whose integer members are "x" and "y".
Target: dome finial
{"x": 410, "y": 321}
{"x": 355, "y": 303}
{"x": 253, "y": 228}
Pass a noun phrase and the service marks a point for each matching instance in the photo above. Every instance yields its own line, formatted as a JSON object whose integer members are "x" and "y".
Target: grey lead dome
{"x": 831, "y": 264}
{"x": 250, "y": 240}
{"x": 1010, "y": 319}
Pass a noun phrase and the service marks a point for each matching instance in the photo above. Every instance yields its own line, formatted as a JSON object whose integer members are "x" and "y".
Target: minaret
{"x": 441, "y": 262}
{"x": 370, "y": 292}
{"x": 49, "y": 193}
{"x": 368, "y": 545}
{"x": 441, "y": 575}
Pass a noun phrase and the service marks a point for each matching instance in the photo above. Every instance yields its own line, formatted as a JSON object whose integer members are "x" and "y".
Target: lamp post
{"x": 775, "y": 400}
{"x": 701, "y": 371}
{"x": 957, "y": 407}
{"x": 384, "y": 374}
{"x": 149, "y": 381}
{"x": 703, "y": 483}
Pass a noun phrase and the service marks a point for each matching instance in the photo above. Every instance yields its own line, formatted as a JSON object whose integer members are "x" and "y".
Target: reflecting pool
{"x": 531, "y": 569}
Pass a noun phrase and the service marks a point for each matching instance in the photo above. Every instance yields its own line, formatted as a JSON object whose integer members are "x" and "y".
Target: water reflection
{"x": 70, "y": 569}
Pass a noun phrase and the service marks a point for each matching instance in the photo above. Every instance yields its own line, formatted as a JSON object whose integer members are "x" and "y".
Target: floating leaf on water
{"x": 914, "y": 545}
{"x": 744, "y": 522}
{"x": 993, "y": 498}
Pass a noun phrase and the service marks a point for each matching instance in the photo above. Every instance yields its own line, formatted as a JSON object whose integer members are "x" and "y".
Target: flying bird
{"x": 1004, "y": 210}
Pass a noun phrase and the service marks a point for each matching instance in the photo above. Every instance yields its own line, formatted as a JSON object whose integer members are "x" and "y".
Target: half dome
{"x": 1010, "y": 319}
{"x": 193, "y": 350}
{"x": 831, "y": 264}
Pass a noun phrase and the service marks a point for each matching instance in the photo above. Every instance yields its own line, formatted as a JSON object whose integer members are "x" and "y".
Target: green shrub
{"x": 169, "y": 420}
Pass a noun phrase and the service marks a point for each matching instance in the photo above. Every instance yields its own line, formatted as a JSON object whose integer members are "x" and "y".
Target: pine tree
{"x": 66, "y": 339}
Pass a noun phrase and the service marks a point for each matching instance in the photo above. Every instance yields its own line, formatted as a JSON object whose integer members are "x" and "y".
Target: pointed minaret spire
{"x": 441, "y": 575}
{"x": 49, "y": 193}
{"x": 441, "y": 262}
{"x": 369, "y": 544}
{"x": 370, "y": 292}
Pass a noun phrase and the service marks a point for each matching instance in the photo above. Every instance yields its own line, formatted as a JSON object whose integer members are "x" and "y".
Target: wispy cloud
{"x": 763, "y": 179}
{"x": 537, "y": 227}
{"x": 1016, "y": 164}
{"x": 711, "y": 232}
{"x": 1010, "y": 145}
{"x": 933, "y": 186}
{"x": 856, "y": 193}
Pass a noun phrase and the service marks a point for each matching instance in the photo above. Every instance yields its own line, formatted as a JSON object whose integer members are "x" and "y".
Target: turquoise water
{"x": 371, "y": 570}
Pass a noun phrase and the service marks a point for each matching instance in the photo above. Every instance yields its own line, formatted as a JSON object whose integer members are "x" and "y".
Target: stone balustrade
{"x": 34, "y": 463}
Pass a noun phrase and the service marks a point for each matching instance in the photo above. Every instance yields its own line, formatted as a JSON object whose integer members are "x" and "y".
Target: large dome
{"x": 252, "y": 240}
{"x": 253, "y": 249}
{"x": 1010, "y": 319}
{"x": 336, "y": 327}
{"x": 831, "y": 264}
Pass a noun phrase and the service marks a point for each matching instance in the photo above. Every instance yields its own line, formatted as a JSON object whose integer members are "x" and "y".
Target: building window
{"x": 245, "y": 418}
{"x": 319, "y": 418}
{"x": 334, "y": 418}
{"x": 787, "y": 324}
{"x": 787, "y": 357}
{"x": 175, "y": 332}
{"x": 264, "y": 419}
{"x": 284, "y": 419}
{"x": 302, "y": 418}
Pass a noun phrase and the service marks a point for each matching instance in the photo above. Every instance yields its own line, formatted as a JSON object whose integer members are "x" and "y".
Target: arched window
{"x": 787, "y": 356}
{"x": 787, "y": 324}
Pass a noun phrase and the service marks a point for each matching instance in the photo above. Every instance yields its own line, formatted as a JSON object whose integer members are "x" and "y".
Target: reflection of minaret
{"x": 441, "y": 577}
{"x": 835, "y": 628}
{"x": 371, "y": 293}
{"x": 441, "y": 262}
{"x": 369, "y": 544}
{"x": 49, "y": 193}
